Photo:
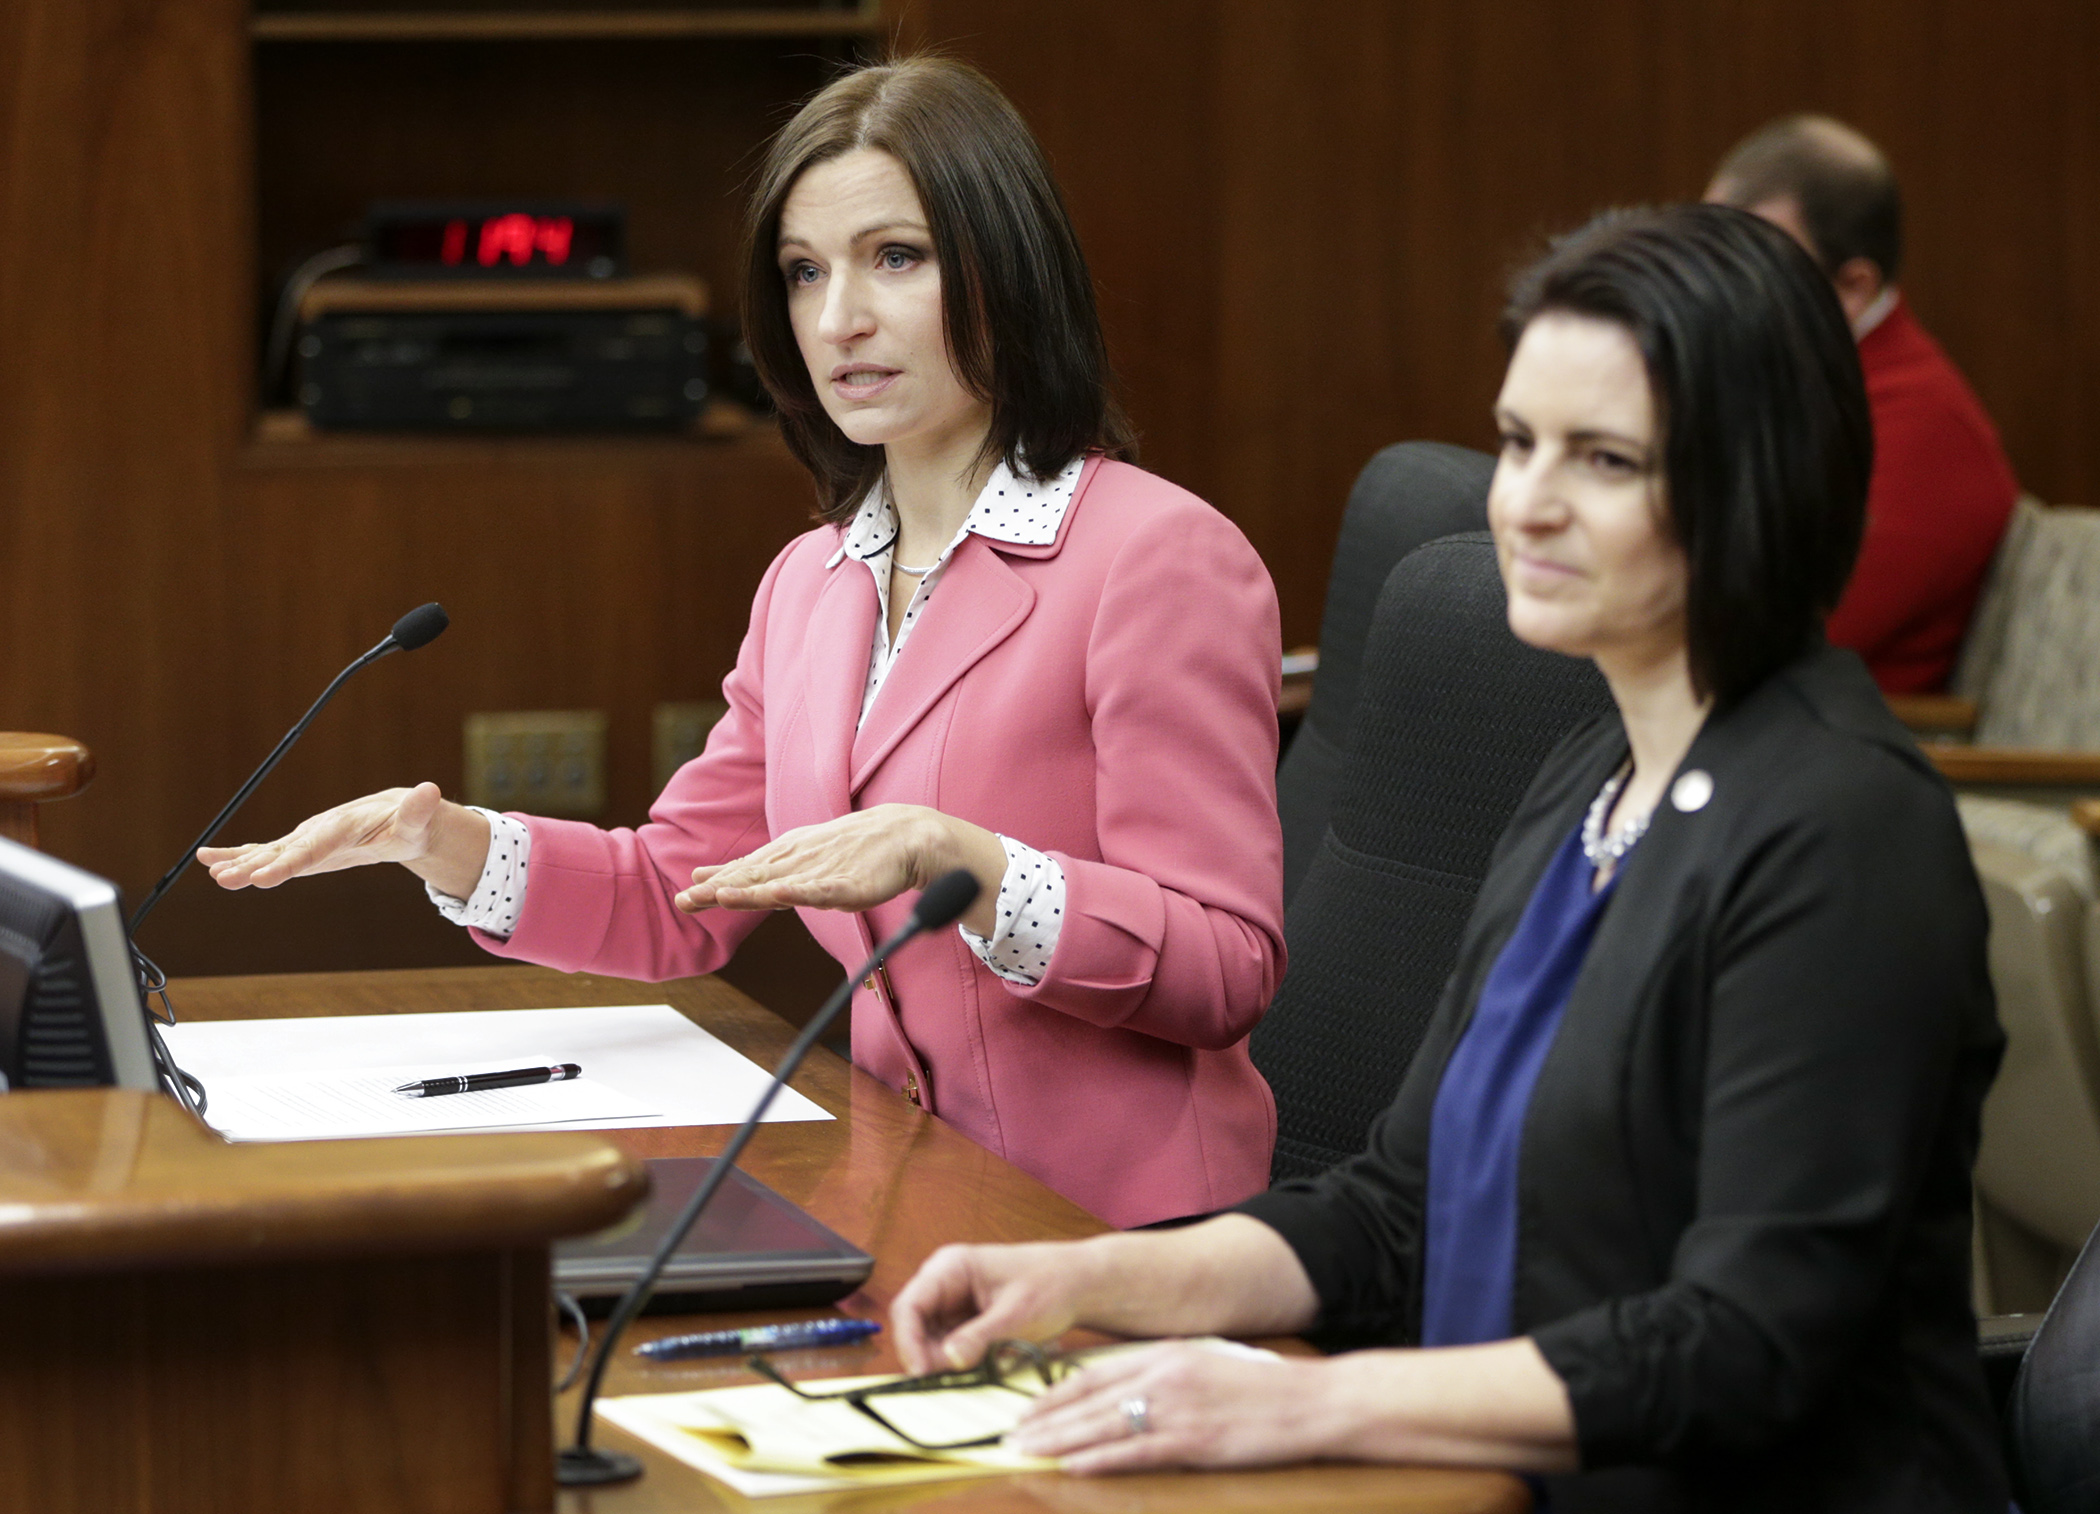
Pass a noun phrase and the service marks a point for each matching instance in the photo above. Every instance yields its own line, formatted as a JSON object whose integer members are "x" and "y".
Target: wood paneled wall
{"x": 1300, "y": 217}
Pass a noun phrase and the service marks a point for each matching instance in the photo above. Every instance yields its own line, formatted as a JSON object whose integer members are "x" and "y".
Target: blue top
{"x": 1477, "y": 1124}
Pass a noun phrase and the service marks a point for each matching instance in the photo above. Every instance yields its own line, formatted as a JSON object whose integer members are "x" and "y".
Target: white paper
{"x": 649, "y": 1054}
{"x": 338, "y": 1105}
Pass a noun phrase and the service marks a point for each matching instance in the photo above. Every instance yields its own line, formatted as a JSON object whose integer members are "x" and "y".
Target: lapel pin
{"x": 1692, "y": 789}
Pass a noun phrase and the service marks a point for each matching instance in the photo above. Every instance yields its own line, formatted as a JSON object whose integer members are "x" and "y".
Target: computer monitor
{"x": 70, "y": 1012}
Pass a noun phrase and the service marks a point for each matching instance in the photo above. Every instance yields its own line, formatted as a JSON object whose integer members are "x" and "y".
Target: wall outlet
{"x": 680, "y": 732}
{"x": 545, "y": 762}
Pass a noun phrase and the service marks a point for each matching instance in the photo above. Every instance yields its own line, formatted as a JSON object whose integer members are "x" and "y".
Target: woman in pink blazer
{"x": 1003, "y": 650}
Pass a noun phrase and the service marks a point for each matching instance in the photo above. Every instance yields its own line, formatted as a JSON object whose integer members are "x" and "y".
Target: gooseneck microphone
{"x": 418, "y": 628}
{"x": 583, "y": 1465}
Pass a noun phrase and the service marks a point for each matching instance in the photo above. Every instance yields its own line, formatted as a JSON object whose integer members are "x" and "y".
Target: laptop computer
{"x": 752, "y": 1249}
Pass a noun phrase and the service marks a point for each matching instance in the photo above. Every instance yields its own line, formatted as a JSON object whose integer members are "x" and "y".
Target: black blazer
{"x": 1743, "y": 1189}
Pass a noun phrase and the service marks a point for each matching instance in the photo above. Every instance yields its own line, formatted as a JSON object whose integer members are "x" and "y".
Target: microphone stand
{"x": 585, "y": 1465}
{"x": 417, "y": 628}
{"x": 387, "y": 646}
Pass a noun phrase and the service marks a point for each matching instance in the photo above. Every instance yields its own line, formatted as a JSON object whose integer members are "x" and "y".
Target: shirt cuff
{"x": 500, "y": 894}
{"x": 1031, "y": 912}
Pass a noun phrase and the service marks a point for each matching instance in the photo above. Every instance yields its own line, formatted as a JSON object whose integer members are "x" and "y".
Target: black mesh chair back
{"x": 1453, "y": 718}
{"x": 2052, "y": 1430}
{"x": 1408, "y": 494}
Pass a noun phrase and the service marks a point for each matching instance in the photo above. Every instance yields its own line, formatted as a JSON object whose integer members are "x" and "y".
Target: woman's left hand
{"x": 856, "y": 862}
{"x": 1199, "y": 1407}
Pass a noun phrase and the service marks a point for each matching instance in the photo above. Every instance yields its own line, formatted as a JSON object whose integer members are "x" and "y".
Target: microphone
{"x": 583, "y": 1465}
{"x": 418, "y": 628}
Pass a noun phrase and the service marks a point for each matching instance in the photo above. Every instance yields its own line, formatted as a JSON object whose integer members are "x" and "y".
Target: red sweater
{"x": 1936, "y": 506}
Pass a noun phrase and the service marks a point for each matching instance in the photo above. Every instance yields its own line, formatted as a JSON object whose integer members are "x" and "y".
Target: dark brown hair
{"x": 1767, "y": 441}
{"x": 1022, "y": 329}
{"x": 1846, "y": 190}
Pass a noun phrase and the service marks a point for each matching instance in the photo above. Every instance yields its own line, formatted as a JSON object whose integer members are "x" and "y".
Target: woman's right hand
{"x": 445, "y": 844}
{"x": 1229, "y": 1275}
{"x": 966, "y": 1297}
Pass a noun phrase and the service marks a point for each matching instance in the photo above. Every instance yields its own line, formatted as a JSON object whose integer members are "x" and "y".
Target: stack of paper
{"x": 365, "y": 1104}
{"x": 332, "y": 1076}
{"x": 763, "y": 1440}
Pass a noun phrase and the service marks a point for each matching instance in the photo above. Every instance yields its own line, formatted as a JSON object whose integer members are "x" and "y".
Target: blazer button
{"x": 911, "y": 1088}
{"x": 868, "y": 983}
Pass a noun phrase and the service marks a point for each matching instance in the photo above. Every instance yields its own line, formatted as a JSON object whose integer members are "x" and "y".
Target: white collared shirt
{"x": 1031, "y": 904}
{"x": 1876, "y": 312}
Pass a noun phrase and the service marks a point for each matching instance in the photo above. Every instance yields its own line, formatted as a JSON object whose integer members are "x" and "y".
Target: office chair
{"x": 1408, "y": 494}
{"x": 1453, "y": 717}
{"x": 2049, "y": 1439}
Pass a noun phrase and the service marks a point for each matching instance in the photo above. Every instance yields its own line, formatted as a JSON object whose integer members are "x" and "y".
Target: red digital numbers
{"x": 517, "y": 236}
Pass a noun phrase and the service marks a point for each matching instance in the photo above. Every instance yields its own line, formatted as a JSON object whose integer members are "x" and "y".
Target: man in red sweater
{"x": 1942, "y": 489}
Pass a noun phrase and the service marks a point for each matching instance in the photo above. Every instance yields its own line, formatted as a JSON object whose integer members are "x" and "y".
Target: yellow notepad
{"x": 762, "y": 1440}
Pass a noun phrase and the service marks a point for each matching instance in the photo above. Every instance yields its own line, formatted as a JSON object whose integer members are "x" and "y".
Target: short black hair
{"x": 1847, "y": 192}
{"x": 1018, "y": 304}
{"x": 1767, "y": 443}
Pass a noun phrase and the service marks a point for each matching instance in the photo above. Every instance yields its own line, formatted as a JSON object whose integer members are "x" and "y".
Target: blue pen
{"x": 816, "y": 1332}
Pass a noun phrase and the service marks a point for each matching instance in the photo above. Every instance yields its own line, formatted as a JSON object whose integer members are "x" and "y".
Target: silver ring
{"x": 1137, "y": 1413}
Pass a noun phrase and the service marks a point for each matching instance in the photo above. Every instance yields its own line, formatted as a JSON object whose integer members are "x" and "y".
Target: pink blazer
{"x": 1109, "y": 698}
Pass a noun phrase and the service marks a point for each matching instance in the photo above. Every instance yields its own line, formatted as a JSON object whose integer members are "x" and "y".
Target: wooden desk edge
{"x": 109, "y": 1179}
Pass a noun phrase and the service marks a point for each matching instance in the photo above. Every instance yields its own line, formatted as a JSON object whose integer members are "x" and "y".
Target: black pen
{"x": 481, "y": 1082}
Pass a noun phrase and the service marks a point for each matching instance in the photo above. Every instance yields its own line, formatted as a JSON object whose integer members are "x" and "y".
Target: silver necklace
{"x": 898, "y": 567}
{"x": 1598, "y": 847}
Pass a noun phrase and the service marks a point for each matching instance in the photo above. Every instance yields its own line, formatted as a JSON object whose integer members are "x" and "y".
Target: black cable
{"x": 574, "y": 1310}
{"x": 277, "y": 349}
{"x": 185, "y": 1088}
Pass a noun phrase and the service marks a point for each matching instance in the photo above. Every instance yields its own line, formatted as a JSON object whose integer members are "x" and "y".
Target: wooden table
{"x": 887, "y": 1176}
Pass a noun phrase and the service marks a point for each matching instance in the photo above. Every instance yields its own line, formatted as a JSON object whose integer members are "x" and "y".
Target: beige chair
{"x": 37, "y": 769}
{"x": 2019, "y": 737}
{"x": 2024, "y": 711}
{"x": 2038, "y": 1172}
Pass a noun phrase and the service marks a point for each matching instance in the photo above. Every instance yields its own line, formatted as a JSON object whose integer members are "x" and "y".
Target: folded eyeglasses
{"x": 1013, "y": 1365}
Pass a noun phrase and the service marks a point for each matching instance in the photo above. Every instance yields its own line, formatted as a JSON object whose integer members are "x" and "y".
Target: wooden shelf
{"x": 863, "y": 20}
{"x": 284, "y": 439}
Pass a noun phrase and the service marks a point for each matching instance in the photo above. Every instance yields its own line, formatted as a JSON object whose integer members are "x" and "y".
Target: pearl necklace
{"x": 1596, "y": 846}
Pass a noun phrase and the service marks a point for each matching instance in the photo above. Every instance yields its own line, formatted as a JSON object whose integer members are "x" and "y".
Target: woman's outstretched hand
{"x": 856, "y": 862}
{"x": 446, "y": 844}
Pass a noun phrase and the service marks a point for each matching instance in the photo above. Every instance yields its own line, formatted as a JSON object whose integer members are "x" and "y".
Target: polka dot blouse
{"x": 1031, "y": 904}
{"x": 500, "y": 893}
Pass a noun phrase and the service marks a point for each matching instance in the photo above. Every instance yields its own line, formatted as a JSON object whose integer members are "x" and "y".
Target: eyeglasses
{"x": 1003, "y": 1364}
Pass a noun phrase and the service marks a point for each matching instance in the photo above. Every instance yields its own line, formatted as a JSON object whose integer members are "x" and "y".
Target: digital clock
{"x": 495, "y": 240}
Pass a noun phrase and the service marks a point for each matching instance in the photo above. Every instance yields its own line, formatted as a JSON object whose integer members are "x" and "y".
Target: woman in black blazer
{"x": 1672, "y": 1208}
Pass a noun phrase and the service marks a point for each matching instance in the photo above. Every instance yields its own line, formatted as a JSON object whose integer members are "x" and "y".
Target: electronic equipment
{"x": 501, "y": 355}
{"x": 751, "y": 1250}
{"x": 490, "y": 239}
{"x": 70, "y": 1012}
